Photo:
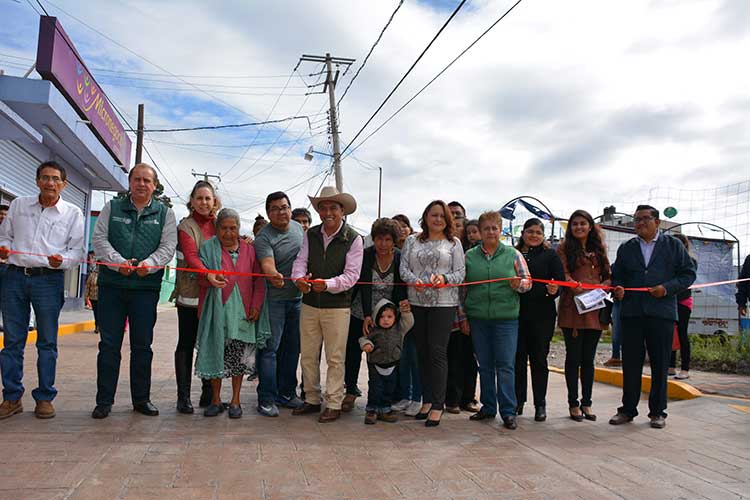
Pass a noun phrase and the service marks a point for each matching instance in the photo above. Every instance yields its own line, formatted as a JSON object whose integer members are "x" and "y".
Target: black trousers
{"x": 187, "y": 328}
{"x": 534, "y": 336}
{"x": 353, "y": 360}
{"x": 462, "y": 370}
{"x": 94, "y": 304}
{"x": 580, "y": 352}
{"x": 683, "y": 318}
{"x": 640, "y": 335}
{"x": 432, "y": 329}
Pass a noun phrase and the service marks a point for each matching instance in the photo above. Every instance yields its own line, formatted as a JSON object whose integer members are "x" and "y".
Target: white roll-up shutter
{"x": 17, "y": 169}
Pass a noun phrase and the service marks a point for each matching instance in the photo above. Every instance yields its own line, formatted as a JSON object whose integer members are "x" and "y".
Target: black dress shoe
{"x": 146, "y": 408}
{"x": 519, "y": 409}
{"x": 206, "y": 393}
{"x": 185, "y": 407}
{"x": 509, "y": 422}
{"x": 540, "y": 414}
{"x": 480, "y": 415}
{"x": 101, "y": 411}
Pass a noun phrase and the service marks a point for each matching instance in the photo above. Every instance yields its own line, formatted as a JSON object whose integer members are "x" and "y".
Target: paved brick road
{"x": 703, "y": 453}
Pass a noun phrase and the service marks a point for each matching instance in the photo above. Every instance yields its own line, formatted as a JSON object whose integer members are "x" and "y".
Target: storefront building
{"x": 65, "y": 117}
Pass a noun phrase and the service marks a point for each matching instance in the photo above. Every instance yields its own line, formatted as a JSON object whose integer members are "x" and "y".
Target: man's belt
{"x": 34, "y": 271}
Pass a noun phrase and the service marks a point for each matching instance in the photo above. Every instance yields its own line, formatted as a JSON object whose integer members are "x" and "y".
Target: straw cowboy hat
{"x": 330, "y": 193}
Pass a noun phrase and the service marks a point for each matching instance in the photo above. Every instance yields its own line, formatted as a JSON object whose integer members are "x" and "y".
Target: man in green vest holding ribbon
{"x": 140, "y": 231}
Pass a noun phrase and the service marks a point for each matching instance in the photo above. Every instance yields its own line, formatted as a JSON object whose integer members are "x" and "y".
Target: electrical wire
{"x": 219, "y": 127}
{"x": 281, "y": 134}
{"x": 433, "y": 79}
{"x": 209, "y": 145}
{"x": 257, "y": 134}
{"x": 453, "y": 14}
{"x": 124, "y": 47}
{"x": 364, "y": 62}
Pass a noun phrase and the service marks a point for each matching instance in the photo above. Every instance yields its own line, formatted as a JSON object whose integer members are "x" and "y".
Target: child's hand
{"x": 367, "y": 348}
{"x": 404, "y": 306}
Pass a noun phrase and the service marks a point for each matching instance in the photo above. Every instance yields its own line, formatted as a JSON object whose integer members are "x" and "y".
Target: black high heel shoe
{"x": 422, "y": 415}
{"x": 433, "y": 423}
{"x": 587, "y": 414}
{"x": 578, "y": 417}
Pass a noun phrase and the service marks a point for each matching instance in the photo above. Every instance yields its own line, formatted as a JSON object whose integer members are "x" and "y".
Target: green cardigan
{"x": 491, "y": 301}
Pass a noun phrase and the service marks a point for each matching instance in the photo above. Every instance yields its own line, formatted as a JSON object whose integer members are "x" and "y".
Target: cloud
{"x": 577, "y": 105}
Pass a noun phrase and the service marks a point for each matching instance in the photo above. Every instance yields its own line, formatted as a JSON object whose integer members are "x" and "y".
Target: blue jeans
{"x": 139, "y": 307}
{"x": 277, "y": 363}
{"x": 616, "y": 329}
{"x": 380, "y": 390}
{"x": 408, "y": 371}
{"x": 495, "y": 344}
{"x": 19, "y": 293}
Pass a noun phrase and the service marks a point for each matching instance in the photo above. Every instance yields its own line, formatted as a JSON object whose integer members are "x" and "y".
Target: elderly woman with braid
{"x": 232, "y": 320}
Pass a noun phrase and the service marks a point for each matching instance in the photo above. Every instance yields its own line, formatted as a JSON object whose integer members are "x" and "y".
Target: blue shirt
{"x": 647, "y": 247}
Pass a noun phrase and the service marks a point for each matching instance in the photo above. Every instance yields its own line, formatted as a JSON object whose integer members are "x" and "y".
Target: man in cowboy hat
{"x": 326, "y": 268}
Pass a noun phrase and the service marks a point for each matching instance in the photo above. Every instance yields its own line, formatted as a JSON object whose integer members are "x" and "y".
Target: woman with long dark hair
{"x": 536, "y": 322}
{"x": 584, "y": 260}
{"x": 433, "y": 257}
{"x": 405, "y": 229}
{"x": 684, "y": 309}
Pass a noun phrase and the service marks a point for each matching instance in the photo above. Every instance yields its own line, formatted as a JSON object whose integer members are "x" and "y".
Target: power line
{"x": 124, "y": 47}
{"x": 42, "y": 6}
{"x": 33, "y": 7}
{"x": 400, "y": 3}
{"x": 195, "y": 88}
{"x": 433, "y": 79}
{"x": 257, "y": 134}
{"x": 458, "y": 8}
{"x": 218, "y": 127}
{"x": 209, "y": 145}
{"x": 287, "y": 190}
{"x": 272, "y": 145}
{"x": 199, "y": 84}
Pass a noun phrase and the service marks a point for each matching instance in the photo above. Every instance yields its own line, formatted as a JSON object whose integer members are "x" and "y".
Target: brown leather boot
{"x": 44, "y": 409}
{"x": 10, "y": 408}
{"x": 329, "y": 415}
{"x": 348, "y": 404}
{"x": 306, "y": 409}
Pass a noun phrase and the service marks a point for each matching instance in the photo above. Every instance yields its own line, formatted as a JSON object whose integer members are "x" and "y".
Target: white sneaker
{"x": 413, "y": 408}
{"x": 401, "y": 405}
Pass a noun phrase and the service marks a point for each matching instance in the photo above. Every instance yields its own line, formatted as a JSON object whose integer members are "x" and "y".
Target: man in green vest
{"x": 326, "y": 268}
{"x": 136, "y": 234}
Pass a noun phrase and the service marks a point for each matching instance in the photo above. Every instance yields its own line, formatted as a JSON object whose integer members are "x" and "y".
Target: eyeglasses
{"x": 643, "y": 220}
{"x": 282, "y": 208}
{"x": 53, "y": 178}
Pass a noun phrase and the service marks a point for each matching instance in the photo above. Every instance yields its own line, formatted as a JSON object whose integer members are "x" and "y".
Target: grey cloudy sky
{"x": 577, "y": 103}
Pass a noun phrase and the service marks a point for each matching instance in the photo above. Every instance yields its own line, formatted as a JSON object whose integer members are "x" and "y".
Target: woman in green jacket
{"x": 493, "y": 309}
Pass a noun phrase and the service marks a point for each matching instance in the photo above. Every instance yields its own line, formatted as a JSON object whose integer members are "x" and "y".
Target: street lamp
{"x": 310, "y": 151}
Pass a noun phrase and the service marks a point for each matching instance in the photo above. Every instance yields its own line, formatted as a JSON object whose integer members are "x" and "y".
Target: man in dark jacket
{"x": 661, "y": 264}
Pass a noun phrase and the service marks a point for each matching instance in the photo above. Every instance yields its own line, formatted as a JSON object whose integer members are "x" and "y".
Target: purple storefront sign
{"x": 58, "y": 61}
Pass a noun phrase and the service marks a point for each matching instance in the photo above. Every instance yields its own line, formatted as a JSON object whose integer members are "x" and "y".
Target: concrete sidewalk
{"x": 704, "y": 452}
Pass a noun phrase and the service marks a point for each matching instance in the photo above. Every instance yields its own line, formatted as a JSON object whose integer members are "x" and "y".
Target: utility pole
{"x": 205, "y": 175}
{"x": 330, "y": 87}
{"x": 139, "y": 137}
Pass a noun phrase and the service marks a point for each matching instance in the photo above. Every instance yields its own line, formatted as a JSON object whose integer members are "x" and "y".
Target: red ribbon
{"x": 568, "y": 284}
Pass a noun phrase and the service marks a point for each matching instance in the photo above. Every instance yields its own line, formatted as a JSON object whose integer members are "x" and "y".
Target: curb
{"x": 62, "y": 330}
{"x": 675, "y": 389}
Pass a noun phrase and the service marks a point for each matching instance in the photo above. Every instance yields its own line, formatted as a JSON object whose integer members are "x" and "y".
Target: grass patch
{"x": 720, "y": 353}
